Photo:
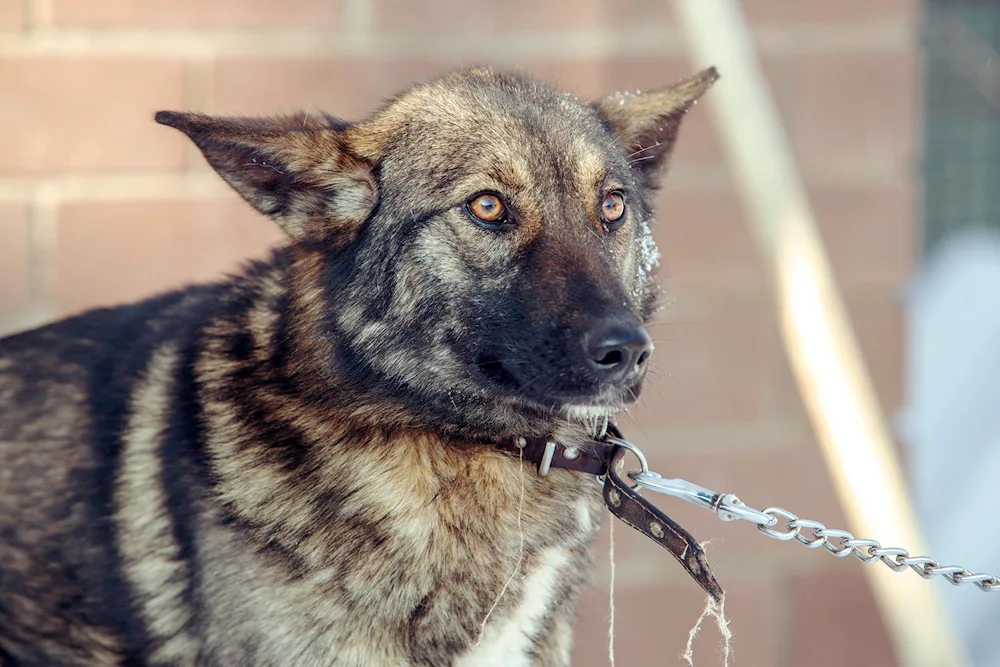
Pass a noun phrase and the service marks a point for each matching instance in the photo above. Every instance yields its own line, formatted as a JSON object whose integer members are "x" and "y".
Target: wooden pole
{"x": 829, "y": 370}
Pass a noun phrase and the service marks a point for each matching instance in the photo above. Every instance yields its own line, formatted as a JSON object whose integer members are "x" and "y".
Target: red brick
{"x": 15, "y": 249}
{"x": 652, "y": 623}
{"x": 880, "y": 326}
{"x": 13, "y": 15}
{"x": 856, "y": 113}
{"x": 341, "y": 87}
{"x": 835, "y": 615}
{"x": 719, "y": 370}
{"x": 88, "y": 113}
{"x": 780, "y": 14}
{"x": 488, "y": 19}
{"x": 705, "y": 244}
{"x": 871, "y": 234}
{"x": 218, "y": 14}
{"x": 114, "y": 252}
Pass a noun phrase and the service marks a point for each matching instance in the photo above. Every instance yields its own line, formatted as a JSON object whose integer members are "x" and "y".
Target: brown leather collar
{"x": 592, "y": 460}
{"x": 605, "y": 460}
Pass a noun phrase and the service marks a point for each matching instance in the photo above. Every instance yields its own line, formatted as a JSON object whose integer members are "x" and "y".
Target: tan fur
{"x": 152, "y": 556}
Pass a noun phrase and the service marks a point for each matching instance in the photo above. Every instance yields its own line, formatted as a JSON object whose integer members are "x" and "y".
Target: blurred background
{"x": 893, "y": 111}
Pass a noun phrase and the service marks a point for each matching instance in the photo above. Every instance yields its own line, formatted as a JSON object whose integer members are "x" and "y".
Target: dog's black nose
{"x": 617, "y": 351}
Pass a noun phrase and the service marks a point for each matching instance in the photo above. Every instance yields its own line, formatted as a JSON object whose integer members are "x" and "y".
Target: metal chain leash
{"x": 842, "y": 543}
{"x": 838, "y": 542}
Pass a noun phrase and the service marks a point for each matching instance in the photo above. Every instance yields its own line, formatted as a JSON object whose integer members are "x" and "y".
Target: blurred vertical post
{"x": 832, "y": 379}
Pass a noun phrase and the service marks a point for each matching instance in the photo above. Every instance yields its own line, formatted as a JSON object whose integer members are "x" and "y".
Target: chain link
{"x": 841, "y": 543}
{"x": 811, "y": 534}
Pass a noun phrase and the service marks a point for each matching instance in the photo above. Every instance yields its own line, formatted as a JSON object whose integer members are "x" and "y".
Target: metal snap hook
{"x": 643, "y": 464}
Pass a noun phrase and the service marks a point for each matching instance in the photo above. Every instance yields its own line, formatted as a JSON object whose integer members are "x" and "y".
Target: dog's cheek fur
{"x": 413, "y": 314}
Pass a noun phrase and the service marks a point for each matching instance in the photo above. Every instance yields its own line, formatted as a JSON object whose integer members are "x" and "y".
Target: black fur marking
{"x": 418, "y": 614}
{"x": 272, "y": 551}
{"x": 328, "y": 503}
{"x": 7, "y": 660}
{"x": 357, "y": 261}
{"x": 283, "y": 443}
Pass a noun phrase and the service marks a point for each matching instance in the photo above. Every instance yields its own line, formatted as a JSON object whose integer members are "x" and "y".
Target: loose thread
{"x": 520, "y": 556}
{"x": 611, "y": 596}
{"x": 719, "y": 613}
{"x": 727, "y": 634}
{"x": 688, "y": 655}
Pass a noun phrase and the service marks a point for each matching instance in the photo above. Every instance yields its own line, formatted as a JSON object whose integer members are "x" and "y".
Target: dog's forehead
{"x": 503, "y": 118}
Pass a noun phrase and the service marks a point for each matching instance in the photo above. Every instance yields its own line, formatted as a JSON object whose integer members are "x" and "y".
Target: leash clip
{"x": 726, "y": 505}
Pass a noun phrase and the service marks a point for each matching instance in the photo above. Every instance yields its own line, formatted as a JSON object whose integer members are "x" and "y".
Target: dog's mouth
{"x": 536, "y": 391}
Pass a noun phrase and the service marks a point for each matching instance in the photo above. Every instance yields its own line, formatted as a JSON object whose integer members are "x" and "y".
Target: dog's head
{"x": 485, "y": 239}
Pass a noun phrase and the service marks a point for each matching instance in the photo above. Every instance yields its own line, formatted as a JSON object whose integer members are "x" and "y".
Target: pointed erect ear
{"x": 646, "y": 124}
{"x": 298, "y": 170}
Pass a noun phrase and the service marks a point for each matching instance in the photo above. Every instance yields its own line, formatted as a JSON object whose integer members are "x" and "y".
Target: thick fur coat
{"x": 293, "y": 465}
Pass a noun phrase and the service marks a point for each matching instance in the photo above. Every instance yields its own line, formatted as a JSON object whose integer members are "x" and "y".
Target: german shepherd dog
{"x": 296, "y": 465}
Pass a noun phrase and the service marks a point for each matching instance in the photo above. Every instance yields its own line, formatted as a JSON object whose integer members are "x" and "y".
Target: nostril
{"x": 616, "y": 350}
{"x": 612, "y": 358}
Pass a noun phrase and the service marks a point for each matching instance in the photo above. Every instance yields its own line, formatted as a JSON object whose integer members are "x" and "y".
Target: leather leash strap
{"x": 606, "y": 459}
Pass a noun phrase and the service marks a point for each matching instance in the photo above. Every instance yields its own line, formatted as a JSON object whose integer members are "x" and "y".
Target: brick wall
{"x": 99, "y": 205}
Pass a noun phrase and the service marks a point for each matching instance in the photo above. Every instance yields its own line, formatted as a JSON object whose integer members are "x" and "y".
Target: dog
{"x": 296, "y": 464}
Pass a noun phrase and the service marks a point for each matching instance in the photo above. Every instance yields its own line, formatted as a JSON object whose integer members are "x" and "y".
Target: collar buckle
{"x": 546, "y": 463}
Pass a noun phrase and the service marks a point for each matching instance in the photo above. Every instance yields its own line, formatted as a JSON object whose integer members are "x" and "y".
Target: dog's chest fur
{"x": 424, "y": 596}
{"x": 451, "y": 543}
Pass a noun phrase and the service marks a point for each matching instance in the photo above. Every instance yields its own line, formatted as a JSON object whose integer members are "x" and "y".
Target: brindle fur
{"x": 292, "y": 466}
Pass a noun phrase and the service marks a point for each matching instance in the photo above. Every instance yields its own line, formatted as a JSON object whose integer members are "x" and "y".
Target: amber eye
{"x": 487, "y": 208}
{"x": 613, "y": 207}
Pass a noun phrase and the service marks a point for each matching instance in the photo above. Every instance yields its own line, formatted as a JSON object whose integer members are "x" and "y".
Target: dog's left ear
{"x": 646, "y": 124}
{"x": 298, "y": 170}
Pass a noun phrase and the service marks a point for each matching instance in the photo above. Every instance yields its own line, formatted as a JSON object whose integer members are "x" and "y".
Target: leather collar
{"x": 605, "y": 460}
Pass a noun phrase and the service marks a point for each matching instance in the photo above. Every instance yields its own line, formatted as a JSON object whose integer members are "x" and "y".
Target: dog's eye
{"x": 613, "y": 208}
{"x": 487, "y": 207}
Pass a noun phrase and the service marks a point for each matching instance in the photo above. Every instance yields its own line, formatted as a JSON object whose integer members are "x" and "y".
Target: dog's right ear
{"x": 646, "y": 124}
{"x": 298, "y": 170}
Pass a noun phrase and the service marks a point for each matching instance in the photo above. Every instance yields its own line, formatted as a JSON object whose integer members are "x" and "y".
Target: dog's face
{"x": 485, "y": 240}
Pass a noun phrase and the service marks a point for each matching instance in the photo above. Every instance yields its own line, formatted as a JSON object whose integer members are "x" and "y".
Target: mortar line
{"x": 358, "y": 18}
{"x": 887, "y": 37}
{"x": 41, "y": 252}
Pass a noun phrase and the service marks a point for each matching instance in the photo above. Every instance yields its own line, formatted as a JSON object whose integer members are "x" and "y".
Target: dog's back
{"x": 66, "y": 393}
